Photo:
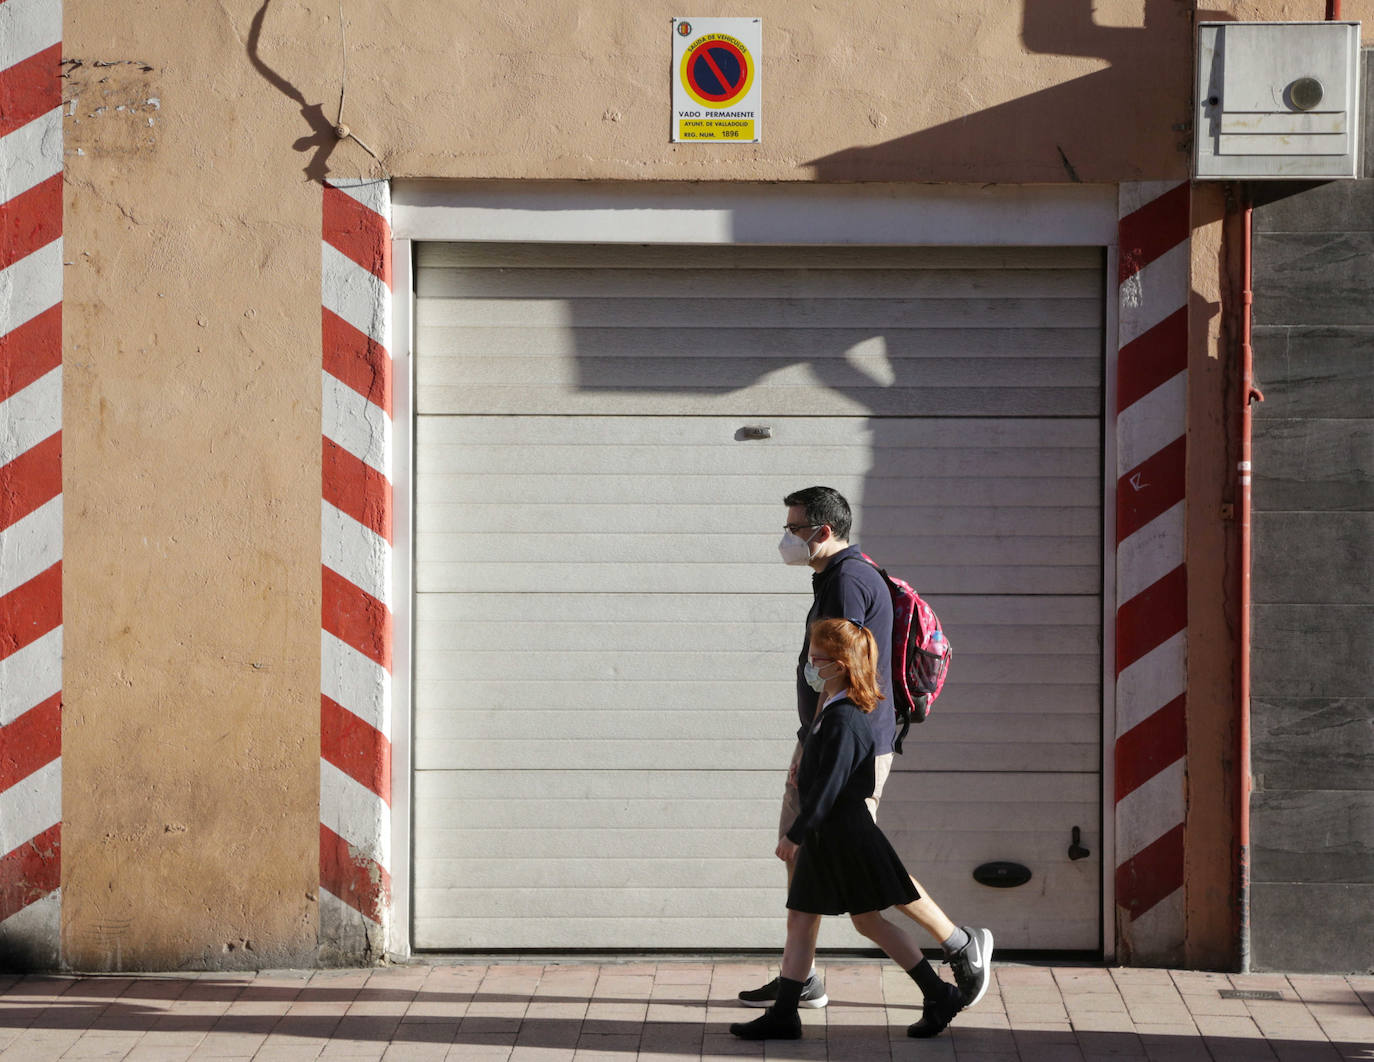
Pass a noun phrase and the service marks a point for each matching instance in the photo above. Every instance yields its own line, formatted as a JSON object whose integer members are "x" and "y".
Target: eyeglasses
{"x": 817, "y": 661}
{"x": 792, "y": 529}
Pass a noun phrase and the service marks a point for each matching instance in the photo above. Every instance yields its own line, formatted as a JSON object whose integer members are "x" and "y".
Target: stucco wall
{"x": 195, "y": 147}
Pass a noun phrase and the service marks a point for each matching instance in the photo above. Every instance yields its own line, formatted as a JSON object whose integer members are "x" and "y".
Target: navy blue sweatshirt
{"x": 836, "y": 766}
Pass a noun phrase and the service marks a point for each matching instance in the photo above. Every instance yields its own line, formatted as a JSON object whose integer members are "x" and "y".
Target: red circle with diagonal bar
{"x": 717, "y": 72}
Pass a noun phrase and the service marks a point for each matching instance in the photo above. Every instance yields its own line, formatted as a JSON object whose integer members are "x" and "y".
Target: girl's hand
{"x": 787, "y": 850}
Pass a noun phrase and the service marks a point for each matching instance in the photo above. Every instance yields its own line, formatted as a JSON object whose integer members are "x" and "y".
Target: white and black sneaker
{"x": 812, "y": 995}
{"x": 972, "y": 965}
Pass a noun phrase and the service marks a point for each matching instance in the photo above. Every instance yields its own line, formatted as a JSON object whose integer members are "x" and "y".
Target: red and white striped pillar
{"x": 1151, "y": 578}
{"x": 30, "y": 479}
{"x": 355, "y": 700}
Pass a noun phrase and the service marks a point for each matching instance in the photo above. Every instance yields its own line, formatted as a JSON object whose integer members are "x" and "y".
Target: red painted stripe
{"x": 30, "y": 611}
{"x": 357, "y": 880}
{"x": 360, "y": 234}
{"x": 30, "y": 220}
{"x": 1150, "y": 746}
{"x": 1153, "y": 487}
{"x": 31, "y": 742}
{"x": 357, "y": 618}
{"x": 31, "y": 871}
{"x": 1151, "y": 618}
{"x": 357, "y": 489}
{"x": 1156, "y": 228}
{"x": 359, "y": 750}
{"x": 1151, "y": 874}
{"x": 1152, "y": 359}
{"x": 354, "y": 358}
{"x": 31, "y": 351}
{"x": 29, "y": 88}
{"x": 31, "y": 480}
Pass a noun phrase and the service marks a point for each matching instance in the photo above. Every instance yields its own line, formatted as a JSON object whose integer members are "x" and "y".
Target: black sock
{"x": 789, "y": 993}
{"x": 926, "y": 978}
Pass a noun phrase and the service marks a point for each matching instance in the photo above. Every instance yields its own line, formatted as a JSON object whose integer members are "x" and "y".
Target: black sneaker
{"x": 769, "y": 1026}
{"x": 813, "y": 994}
{"x": 972, "y": 965}
{"x": 939, "y": 1011}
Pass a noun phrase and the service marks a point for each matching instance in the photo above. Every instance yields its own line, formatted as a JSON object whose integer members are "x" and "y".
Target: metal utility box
{"x": 1277, "y": 100}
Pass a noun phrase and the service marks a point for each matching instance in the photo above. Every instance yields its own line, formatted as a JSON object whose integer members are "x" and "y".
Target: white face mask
{"x": 796, "y": 550}
{"x": 813, "y": 676}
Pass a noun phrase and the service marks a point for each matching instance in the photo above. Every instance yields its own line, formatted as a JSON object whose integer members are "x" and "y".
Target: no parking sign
{"x": 717, "y": 88}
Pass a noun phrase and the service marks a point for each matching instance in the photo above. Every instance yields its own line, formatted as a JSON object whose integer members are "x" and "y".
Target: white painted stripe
{"x": 375, "y": 195}
{"x": 352, "y": 680}
{"x": 30, "y": 285}
{"x": 355, "y": 813}
{"x": 357, "y": 553}
{"x": 30, "y": 546}
{"x": 39, "y": 921}
{"x": 30, "y": 806}
{"x": 1157, "y": 934}
{"x": 32, "y": 415}
{"x": 31, "y": 154}
{"x": 1146, "y": 427}
{"x": 1146, "y": 815}
{"x": 1135, "y": 194}
{"x": 1144, "y": 558}
{"x": 356, "y": 295}
{"x": 1156, "y": 679}
{"x": 30, "y": 676}
{"x": 340, "y": 923}
{"x": 361, "y": 428}
{"x": 27, "y": 27}
{"x": 1154, "y": 293}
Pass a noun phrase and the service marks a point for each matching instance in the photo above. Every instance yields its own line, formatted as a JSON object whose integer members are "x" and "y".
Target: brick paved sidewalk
{"x": 623, "y": 1011}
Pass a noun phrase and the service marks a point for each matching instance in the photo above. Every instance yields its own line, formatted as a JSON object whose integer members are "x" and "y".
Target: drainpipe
{"x": 1249, "y": 394}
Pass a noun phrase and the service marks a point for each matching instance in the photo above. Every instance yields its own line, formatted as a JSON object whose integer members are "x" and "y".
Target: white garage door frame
{"x": 768, "y": 214}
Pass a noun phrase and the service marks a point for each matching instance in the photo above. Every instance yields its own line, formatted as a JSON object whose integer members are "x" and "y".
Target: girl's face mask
{"x": 813, "y": 675}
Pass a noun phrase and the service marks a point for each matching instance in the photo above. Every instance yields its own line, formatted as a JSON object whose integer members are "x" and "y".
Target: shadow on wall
{"x": 322, "y": 139}
{"x": 1054, "y": 135}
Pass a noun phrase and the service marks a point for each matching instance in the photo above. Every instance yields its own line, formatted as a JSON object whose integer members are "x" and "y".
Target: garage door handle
{"x": 754, "y": 431}
{"x": 1076, "y": 849}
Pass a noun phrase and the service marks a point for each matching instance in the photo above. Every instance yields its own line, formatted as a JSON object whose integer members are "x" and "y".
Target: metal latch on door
{"x": 754, "y": 431}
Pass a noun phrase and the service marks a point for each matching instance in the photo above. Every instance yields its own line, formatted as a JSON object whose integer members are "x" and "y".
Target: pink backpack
{"x": 920, "y": 654}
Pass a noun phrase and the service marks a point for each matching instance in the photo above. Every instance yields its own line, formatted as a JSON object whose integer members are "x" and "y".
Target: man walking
{"x": 845, "y": 586}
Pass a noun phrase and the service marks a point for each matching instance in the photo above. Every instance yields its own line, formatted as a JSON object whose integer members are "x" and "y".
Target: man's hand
{"x": 787, "y": 850}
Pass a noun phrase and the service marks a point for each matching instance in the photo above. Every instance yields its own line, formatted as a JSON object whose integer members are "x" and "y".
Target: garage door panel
{"x": 734, "y": 578}
{"x": 1050, "y": 623}
{"x": 704, "y": 373}
{"x": 930, "y": 434}
{"x": 671, "y": 456}
{"x": 887, "y": 521}
{"x": 728, "y": 490}
{"x": 741, "y": 257}
{"x": 776, "y": 310}
{"x": 836, "y": 400}
{"x": 651, "y": 547}
{"x": 761, "y": 695}
{"x": 687, "y": 665}
{"x": 575, "y": 282}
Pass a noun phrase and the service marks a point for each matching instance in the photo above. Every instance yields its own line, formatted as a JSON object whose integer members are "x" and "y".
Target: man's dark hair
{"x": 824, "y": 505}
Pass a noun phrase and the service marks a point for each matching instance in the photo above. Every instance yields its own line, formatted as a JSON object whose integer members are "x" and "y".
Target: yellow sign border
{"x": 749, "y": 66}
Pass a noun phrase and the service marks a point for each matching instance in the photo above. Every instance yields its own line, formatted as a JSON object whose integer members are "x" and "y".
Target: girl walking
{"x": 844, "y": 864}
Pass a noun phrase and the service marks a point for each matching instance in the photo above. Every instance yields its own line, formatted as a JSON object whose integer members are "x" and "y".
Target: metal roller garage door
{"x": 604, "y": 634}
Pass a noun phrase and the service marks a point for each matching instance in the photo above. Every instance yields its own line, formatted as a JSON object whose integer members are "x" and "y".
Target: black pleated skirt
{"x": 847, "y": 866}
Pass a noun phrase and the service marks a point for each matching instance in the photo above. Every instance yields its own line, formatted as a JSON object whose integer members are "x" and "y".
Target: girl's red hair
{"x": 854, "y": 648}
